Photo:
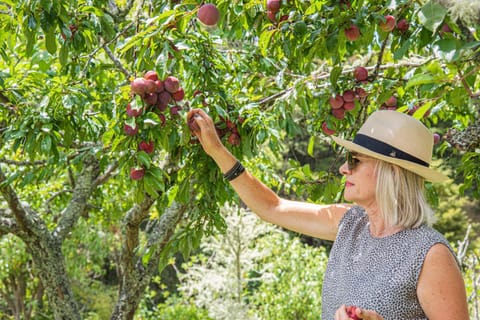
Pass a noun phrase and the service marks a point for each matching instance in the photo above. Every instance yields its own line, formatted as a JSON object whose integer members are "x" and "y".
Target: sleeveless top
{"x": 378, "y": 274}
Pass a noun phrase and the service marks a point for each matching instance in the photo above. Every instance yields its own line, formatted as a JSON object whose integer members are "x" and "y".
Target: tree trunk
{"x": 49, "y": 261}
{"x": 135, "y": 271}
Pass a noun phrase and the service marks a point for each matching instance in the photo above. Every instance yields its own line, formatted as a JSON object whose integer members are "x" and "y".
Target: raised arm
{"x": 319, "y": 221}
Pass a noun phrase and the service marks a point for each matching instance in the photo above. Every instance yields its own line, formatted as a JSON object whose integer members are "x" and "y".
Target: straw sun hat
{"x": 396, "y": 138}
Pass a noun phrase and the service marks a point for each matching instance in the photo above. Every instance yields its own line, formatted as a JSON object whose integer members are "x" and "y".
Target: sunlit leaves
{"x": 432, "y": 15}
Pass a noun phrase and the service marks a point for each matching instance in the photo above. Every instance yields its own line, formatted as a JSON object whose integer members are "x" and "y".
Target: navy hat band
{"x": 385, "y": 149}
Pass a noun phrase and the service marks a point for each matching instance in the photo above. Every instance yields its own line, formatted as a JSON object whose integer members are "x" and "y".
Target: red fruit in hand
{"x": 171, "y": 84}
{"x": 389, "y": 23}
{"x": 137, "y": 173}
{"x": 352, "y": 33}
{"x": 351, "y": 312}
{"x": 148, "y": 147}
{"x": 192, "y": 124}
{"x": 336, "y": 102}
{"x": 129, "y": 130}
{"x": 360, "y": 73}
{"x": 208, "y": 14}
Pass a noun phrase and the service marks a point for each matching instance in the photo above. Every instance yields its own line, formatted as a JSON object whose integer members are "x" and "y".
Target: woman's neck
{"x": 377, "y": 226}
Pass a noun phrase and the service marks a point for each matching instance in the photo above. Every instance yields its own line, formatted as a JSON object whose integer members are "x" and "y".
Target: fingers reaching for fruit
{"x": 204, "y": 129}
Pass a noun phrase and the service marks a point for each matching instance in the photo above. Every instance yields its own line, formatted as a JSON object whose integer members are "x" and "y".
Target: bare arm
{"x": 441, "y": 289}
{"x": 320, "y": 221}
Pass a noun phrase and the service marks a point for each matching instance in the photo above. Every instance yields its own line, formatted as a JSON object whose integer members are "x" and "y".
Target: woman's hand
{"x": 203, "y": 127}
{"x": 342, "y": 313}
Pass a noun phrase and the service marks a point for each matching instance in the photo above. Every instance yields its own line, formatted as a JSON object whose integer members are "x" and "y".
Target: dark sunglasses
{"x": 352, "y": 161}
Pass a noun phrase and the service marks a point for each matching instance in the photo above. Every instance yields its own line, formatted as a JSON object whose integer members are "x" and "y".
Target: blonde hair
{"x": 400, "y": 196}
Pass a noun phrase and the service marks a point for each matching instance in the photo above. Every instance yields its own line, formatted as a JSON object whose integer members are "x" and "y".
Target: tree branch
{"x": 325, "y": 74}
{"x": 84, "y": 187}
{"x": 13, "y": 202}
{"x": 56, "y": 194}
{"x": 117, "y": 62}
{"x": 94, "y": 52}
{"x": 161, "y": 232}
{"x": 24, "y": 163}
{"x": 380, "y": 57}
{"x": 131, "y": 223}
{"x": 107, "y": 175}
{"x": 135, "y": 278}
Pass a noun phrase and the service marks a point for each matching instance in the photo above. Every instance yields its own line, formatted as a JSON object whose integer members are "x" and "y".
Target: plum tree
{"x": 78, "y": 110}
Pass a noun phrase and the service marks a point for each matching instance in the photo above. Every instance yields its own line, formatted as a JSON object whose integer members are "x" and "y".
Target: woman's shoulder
{"x": 354, "y": 221}
{"x": 428, "y": 234}
{"x": 354, "y": 213}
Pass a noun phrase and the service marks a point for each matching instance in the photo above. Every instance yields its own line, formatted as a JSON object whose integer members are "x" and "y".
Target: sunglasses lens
{"x": 351, "y": 161}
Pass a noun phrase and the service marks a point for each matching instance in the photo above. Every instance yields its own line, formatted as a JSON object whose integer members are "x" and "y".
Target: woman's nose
{"x": 344, "y": 169}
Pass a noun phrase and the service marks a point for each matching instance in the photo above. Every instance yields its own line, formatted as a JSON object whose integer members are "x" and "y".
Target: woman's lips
{"x": 348, "y": 184}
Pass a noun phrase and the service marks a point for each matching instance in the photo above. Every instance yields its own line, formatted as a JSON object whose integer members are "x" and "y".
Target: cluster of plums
{"x": 156, "y": 95}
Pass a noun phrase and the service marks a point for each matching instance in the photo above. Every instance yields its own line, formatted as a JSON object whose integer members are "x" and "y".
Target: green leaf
{"x": 90, "y": 9}
{"x": 432, "y": 15}
{"x": 46, "y": 144}
{"x": 107, "y": 24}
{"x": 334, "y": 75}
{"x": 402, "y": 51}
{"x": 144, "y": 159}
{"x": 314, "y": 8}
{"x": 311, "y": 143}
{"x": 150, "y": 185}
{"x": 155, "y": 183}
{"x": 264, "y": 41}
{"x": 51, "y": 42}
{"x": 63, "y": 55}
{"x": 420, "y": 79}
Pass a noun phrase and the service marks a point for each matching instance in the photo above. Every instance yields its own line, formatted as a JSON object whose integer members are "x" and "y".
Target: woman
{"x": 386, "y": 260}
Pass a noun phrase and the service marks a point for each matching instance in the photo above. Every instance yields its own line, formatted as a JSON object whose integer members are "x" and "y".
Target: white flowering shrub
{"x": 255, "y": 271}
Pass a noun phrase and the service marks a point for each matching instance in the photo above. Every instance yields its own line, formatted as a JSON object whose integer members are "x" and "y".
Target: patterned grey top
{"x": 376, "y": 273}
